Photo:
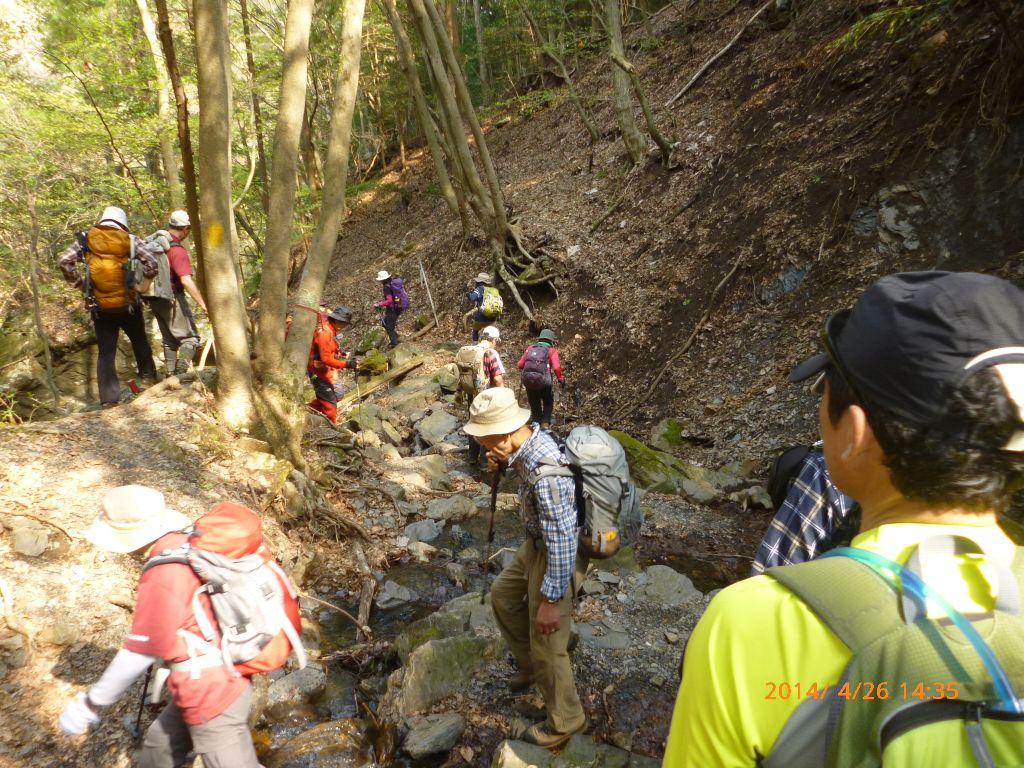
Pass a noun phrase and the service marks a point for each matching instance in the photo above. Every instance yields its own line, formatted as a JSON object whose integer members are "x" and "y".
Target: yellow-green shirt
{"x": 756, "y": 635}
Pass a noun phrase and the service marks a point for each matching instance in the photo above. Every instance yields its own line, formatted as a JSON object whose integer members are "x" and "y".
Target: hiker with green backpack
{"x": 118, "y": 269}
{"x": 166, "y": 297}
{"x": 487, "y": 304}
{"x": 907, "y": 647}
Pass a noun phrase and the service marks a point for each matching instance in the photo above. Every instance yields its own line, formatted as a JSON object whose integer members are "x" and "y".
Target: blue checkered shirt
{"x": 548, "y": 509}
{"x": 803, "y": 526}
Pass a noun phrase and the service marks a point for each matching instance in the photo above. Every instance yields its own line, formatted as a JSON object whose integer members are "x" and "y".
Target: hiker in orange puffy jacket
{"x": 326, "y": 359}
{"x": 539, "y": 364}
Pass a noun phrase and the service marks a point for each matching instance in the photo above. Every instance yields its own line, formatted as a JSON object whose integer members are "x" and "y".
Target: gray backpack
{"x": 159, "y": 243}
{"x": 607, "y": 505}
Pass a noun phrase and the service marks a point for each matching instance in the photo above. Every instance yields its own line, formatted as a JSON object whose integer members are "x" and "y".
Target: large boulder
{"x": 454, "y": 508}
{"x": 439, "y": 668}
{"x": 334, "y": 744}
{"x": 432, "y": 735}
{"x": 413, "y": 395}
{"x": 294, "y": 689}
{"x": 370, "y": 417}
{"x": 656, "y": 470}
{"x": 375, "y": 338}
{"x": 668, "y": 587}
{"x": 420, "y": 473}
{"x": 437, "y": 426}
{"x": 447, "y": 378}
{"x": 423, "y": 530}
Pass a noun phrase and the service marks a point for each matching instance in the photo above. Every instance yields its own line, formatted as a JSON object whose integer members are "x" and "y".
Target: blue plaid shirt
{"x": 803, "y": 526}
{"x": 548, "y": 509}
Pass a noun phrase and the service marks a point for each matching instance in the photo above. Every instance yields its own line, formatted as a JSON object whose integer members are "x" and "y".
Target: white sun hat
{"x": 495, "y": 411}
{"x": 383, "y": 275}
{"x": 133, "y": 516}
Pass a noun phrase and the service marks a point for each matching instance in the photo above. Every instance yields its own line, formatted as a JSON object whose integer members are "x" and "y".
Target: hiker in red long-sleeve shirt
{"x": 326, "y": 359}
{"x": 540, "y": 365}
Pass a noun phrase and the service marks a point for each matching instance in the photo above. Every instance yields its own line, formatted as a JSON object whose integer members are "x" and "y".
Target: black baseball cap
{"x": 912, "y": 339}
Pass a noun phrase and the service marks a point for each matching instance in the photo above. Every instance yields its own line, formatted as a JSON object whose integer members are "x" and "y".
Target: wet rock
{"x": 432, "y": 734}
{"x": 300, "y": 687}
{"x": 437, "y": 426}
{"x": 423, "y": 530}
{"x": 624, "y": 562}
{"x": 340, "y": 694}
{"x": 454, "y": 508}
{"x": 668, "y": 587}
{"x": 394, "y": 594}
{"x": 30, "y": 540}
{"x": 656, "y": 470}
{"x": 439, "y": 668}
{"x": 334, "y": 744}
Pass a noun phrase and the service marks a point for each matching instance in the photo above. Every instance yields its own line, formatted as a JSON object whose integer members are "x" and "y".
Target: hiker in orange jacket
{"x": 326, "y": 359}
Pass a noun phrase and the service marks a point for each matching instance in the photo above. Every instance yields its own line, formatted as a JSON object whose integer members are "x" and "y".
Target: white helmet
{"x": 383, "y": 275}
{"x": 490, "y": 332}
{"x": 179, "y": 219}
{"x": 114, "y": 215}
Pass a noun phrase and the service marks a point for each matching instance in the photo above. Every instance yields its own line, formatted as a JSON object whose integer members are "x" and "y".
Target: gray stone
{"x": 700, "y": 491}
{"x": 437, "y": 426}
{"x": 755, "y": 496}
{"x": 447, "y": 377}
{"x": 414, "y": 395}
{"x": 671, "y": 637}
{"x": 520, "y": 754}
{"x": 423, "y": 530}
{"x": 30, "y": 540}
{"x": 393, "y": 594}
{"x": 470, "y": 554}
{"x": 300, "y": 687}
{"x": 592, "y": 587}
{"x": 603, "y": 637}
{"x": 642, "y": 761}
{"x": 421, "y": 551}
{"x": 432, "y": 734}
{"x": 456, "y": 573}
{"x": 455, "y": 508}
{"x": 668, "y": 587}
{"x": 420, "y": 473}
{"x": 391, "y": 433}
{"x": 607, "y": 578}
{"x": 439, "y": 668}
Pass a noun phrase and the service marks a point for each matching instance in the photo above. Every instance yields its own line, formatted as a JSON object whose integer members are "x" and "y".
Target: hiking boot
{"x": 542, "y": 735}
{"x": 531, "y": 707}
{"x": 519, "y": 682}
{"x": 147, "y": 381}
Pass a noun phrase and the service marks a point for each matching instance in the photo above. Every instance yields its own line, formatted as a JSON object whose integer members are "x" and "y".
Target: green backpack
{"x": 492, "y": 305}
{"x": 914, "y": 686}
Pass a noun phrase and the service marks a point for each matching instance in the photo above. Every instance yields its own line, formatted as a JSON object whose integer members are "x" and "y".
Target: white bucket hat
{"x": 483, "y": 277}
{"x": 383, "y": 275}
{"x": 179, "y": 219}
{"x": 491, "y": 332}
{"x": 133, "y": 516}
{"x": 495, "y": 412}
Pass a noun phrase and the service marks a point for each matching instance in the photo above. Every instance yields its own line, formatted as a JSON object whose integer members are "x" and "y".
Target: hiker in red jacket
{"x": 538, "y": 363}
{"x": 326, "y": 359}
{"x": 209, "y": 704}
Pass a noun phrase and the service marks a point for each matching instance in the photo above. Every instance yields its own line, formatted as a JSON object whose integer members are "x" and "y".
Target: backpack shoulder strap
{"x": 176, "y": 555}
{"x": 845, "y": 595}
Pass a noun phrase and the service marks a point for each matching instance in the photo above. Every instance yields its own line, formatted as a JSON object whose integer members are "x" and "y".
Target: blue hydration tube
{"x": 912, "y": 583}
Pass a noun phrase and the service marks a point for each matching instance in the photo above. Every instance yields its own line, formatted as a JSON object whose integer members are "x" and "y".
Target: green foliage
{"x": 888, "y": 21}
{"x": 527, "y": 104}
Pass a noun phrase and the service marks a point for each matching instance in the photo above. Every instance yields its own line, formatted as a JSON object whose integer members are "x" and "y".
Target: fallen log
{"x": 378, "y": 382}
{"x": 366, "y": 594}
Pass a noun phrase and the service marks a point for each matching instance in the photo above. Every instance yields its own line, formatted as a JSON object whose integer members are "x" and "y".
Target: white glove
{"x": 77, "y": 718}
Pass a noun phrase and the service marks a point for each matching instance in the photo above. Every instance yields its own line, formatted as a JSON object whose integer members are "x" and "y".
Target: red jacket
{"x": 553, "y": 362}
{"x": 325, "y": 356}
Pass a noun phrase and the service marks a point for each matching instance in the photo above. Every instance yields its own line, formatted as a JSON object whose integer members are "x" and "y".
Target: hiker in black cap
{"x": 908, "y": 646}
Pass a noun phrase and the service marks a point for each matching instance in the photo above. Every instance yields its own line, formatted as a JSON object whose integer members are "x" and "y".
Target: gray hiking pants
{"x": 223, "y": 742}
{"x": 177, "y": 329}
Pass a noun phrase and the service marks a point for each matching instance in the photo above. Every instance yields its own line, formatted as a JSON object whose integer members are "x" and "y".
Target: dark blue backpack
{"x": 399, "y": 294}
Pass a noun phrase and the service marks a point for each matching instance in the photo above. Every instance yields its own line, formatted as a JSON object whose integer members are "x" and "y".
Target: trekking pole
{"x": 142, "y": 703}
{"x": 495, "y": 481}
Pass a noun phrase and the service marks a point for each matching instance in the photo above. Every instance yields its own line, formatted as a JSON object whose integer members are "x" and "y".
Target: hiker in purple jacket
{"x": 394, "y": 298}
{"x": 539, "y": 365}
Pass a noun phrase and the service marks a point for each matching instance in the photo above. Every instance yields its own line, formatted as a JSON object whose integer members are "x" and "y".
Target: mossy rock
{"x": 443, "y": 666}
{"x": 668, "y": 434}
{"x": 375, "y": 338}
{"x": 375, "y": 363}
{"x": 656, "y": 470}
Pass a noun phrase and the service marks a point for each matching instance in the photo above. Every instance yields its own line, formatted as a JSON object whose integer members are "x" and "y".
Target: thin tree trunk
{"x": 652, "y": 127}
{"x": 451, "y": 27}
{"x": 33, "y": 273}
{"x": 224, "y": 294}
{"x": 188, "y": 166}
{"x": 292, "y": 105}
{"x": 481, "y": 55}
{"x": 163, "y": 107}
{"x": 408, "y": 64}
{"x": 310, "y": 159}
{"x": 622, "y": 104}
{"x": 257, "y": 117}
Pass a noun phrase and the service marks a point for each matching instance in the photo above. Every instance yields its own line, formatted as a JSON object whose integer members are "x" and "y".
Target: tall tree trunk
{"x": 325, "y": 237}
{"x": 408, "y": 64}
{"x": 291, "y": 107}
{"x": 33, "y": 272}
{"x": 257, "y": 117}
{"x": 223, "y": 294}
{"x": 163, "y": 107}
{"x": 622, "y": 103}
{"x": 451, "y": 27}
{"x": 310, "y": 158}
{"x": 188, "y": 166}
{"x": 481, "y": 55}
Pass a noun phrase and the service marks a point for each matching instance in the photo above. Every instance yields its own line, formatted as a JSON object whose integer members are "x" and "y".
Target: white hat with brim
{"x": 383, "y": 275}
{"x": 495, "y": 412}
{"x": 132, "y": 517}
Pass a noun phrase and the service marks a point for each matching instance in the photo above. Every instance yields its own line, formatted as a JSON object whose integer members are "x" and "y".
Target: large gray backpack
{"x": 607, "y": 505}
{"x": 159, "y": 243}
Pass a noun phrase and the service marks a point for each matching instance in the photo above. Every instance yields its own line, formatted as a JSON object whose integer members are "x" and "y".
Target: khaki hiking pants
{"x": 223, "y": 742}
{"x": 515, "y": 596}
